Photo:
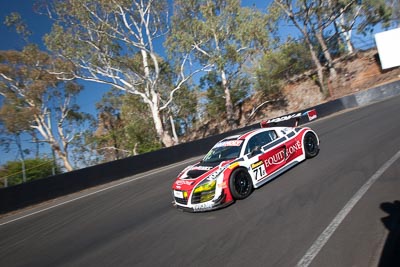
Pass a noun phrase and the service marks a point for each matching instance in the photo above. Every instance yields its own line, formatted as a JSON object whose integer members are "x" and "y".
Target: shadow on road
{"x": 391, "y": 251}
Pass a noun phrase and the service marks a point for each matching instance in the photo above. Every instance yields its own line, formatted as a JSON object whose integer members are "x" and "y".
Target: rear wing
{"x": 310, "y": 115}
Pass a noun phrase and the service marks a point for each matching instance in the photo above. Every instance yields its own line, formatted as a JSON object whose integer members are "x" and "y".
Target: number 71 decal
{"x": 258, "y": 170}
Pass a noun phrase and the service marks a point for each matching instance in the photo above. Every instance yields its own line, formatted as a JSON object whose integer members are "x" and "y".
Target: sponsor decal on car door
{"x": 294, "y": 149}
{"x": 274, "y": 158}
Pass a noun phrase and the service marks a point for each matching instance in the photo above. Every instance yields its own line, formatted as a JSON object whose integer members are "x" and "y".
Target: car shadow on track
{"x": 391, "y": 250}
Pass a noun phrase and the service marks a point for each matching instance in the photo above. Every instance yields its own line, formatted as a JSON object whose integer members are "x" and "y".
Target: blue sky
{"x": 40, "y": 25}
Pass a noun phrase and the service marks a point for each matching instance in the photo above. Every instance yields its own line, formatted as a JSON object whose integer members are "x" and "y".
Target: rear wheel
{"x": 240, "y": 184}
{"x": 310, "y": 145}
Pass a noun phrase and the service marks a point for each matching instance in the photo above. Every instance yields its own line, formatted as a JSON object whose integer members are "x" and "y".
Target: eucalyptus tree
{"x": 185, "y": 109}
{"x": 278, "y": 66}
{"x": 316, "y": 19}
{"x": 220, "y": 33}
{"x": 214, "y": 92}
{"x": 123, "y": 128}
{"x": 374, "y": 12}
{"x": 311, "y": 18}
{"x": 34, "y": 100}
{"x": 359, "y": 16}
{"x": 116, "y": 43}
{"x": 108, "y": 136}
{"x": 138, "y": 133}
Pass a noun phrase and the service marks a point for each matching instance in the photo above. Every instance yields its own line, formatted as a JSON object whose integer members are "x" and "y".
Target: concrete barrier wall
{"x": 23, "y": 195}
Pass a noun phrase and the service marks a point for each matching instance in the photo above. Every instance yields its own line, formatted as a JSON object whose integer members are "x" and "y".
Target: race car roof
{"x": 247, "y": 134}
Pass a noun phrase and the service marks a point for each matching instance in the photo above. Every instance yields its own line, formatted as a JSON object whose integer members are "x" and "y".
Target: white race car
{"x": 238, "y": 164}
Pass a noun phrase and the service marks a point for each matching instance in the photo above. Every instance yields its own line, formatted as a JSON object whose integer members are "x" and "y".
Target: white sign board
{"x": 388, "y": 44}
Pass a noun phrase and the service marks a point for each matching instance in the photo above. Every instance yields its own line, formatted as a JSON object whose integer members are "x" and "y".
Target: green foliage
{"x": 184, "y": 109}
{"x": 109, "y": 131}
{"x": 35, "y": 169}
{"x": 27, "y": 86}
{"x": 372, "y": 13}
{"x": 124, "y": 128}
{"x": 221, "y": 34}
{"x": 15, "y": 20}
{"x": 276, "y": 67}
{"x": 139, "y": 133}
{"x": 36, "y": 101}
{"x": 215, "y": 102}
{"x": 15, "y": 118}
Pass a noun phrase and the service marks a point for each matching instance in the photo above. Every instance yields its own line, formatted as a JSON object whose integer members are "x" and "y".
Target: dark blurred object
{"x": 391, "y": 250}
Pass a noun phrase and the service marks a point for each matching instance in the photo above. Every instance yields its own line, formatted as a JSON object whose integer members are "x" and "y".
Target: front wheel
{"x": 240, "y": 184}
{"x": 311, "y": 148}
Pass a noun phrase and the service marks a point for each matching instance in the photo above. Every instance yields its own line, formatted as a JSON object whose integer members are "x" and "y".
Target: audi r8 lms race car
{"x": 238, "y": 164}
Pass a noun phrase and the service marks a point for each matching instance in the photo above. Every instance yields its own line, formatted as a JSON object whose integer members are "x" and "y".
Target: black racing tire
{"x": 310, "y": 143}
{"x": 240, "y": 184}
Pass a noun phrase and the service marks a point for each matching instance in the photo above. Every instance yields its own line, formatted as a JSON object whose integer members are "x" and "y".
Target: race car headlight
{"x": 205, "y": 191}
{"x": 205, "y": 186}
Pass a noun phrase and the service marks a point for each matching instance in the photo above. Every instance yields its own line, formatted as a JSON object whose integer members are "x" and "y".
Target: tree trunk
{"x": 320, "y": 68}
{"x": 66, "y": 163}
{"x": 347, "y": 40}
{"x": 341, "y": 31}
{"x": 19, "y": 145}
{"x": 135, "y": 149}
{"x": 162, "y": 134}
{"x": 327, "y": 55}
{"x": 228, "y": 101}
{"x": 63, "y": 156}
{"x": 307, "y": 38}
{"x": 175, "y": 138}
{"x": 347, "y": 33}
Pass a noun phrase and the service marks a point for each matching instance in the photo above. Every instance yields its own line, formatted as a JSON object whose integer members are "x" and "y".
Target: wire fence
{"x": 4, "y": 181}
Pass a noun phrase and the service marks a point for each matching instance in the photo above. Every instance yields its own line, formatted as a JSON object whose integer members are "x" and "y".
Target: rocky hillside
{"x": 359, "y": 72}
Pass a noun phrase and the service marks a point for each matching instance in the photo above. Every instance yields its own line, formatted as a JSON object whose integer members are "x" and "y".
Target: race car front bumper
{"x": 218, "y": 203}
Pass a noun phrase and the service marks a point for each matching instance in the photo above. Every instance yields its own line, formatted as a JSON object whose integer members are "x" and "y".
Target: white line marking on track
{"x": 143, "y": 175}
{"x": 328, "y": 232}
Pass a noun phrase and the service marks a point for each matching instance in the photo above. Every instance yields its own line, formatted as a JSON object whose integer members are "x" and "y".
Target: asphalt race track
{"x": 135, "y": 224}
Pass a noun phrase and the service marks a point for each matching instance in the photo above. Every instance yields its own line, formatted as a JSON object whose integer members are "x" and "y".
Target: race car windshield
{"x": 225, "y": 150}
